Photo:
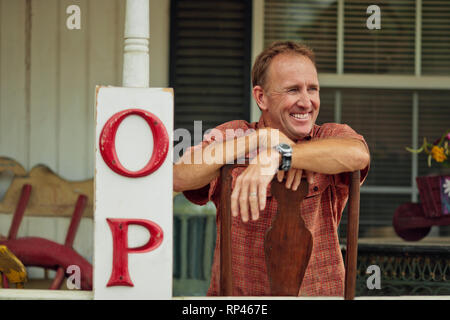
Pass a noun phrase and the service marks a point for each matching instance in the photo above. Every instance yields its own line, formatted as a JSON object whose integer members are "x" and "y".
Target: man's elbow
{"x": 178, "y": 182}
{"x": 177, "y": 187}
{"x": 362, "y": 159}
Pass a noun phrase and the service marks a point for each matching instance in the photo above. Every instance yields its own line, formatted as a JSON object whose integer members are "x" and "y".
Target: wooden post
{"x": 136, "y": 59}
{"x": 352, "y": 236}
{"x": 226, "y": 277}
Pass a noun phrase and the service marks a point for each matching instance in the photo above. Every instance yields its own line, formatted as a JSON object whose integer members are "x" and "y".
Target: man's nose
{"x": 303, "y": 99}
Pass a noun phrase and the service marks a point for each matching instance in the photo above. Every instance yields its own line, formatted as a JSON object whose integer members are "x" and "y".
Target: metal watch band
{"x": 285, "y": 151}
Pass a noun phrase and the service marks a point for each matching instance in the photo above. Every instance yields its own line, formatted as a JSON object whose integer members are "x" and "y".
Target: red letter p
{"x": 119, "y": 228}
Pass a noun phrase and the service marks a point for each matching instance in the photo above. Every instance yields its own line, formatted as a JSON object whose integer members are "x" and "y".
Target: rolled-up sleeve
{"x": 334, "y": 130}
{"x": 204, "y": 194}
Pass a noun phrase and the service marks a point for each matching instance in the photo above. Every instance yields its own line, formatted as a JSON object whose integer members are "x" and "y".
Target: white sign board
{"x": 133, "y": 193}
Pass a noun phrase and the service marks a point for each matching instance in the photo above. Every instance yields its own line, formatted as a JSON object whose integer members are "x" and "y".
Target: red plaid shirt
{"x": 321, "y": 210}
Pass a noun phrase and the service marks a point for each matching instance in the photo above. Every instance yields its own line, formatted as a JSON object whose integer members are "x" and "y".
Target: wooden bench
{"x": 42, "y": 193}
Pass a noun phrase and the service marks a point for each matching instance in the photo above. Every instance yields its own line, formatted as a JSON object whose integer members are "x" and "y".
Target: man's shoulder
{"x": 332, "y": 129}
{"x": 236, "y": 124}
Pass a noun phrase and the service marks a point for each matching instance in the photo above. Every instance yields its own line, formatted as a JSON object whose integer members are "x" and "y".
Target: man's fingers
{"x": 297, "y": 179}
{"x": 253, "y": 199}
{"x": 280, "y": 175}
{"x": 262, "y": 192}
{"x": 243, "y": 200}
{"x": 290, "y": 178}
{"x": 309, "y": 176}
{"x": 235, "y": 198}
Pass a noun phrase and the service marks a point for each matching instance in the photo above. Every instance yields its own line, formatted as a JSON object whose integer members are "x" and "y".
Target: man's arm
{"x": 199, "y": 166}
{"x": 328, "y": 156}
{"x": 331, "y": 155}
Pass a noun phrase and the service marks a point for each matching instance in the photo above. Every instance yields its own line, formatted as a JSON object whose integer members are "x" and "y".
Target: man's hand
{"x": 294, "y": 177}
{"x": 251, "y": 186}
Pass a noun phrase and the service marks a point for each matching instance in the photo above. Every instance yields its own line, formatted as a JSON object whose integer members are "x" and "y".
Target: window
{"x": 391, "y": 85}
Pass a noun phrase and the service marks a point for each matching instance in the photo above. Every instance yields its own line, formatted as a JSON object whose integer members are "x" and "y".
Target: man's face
{"x": 291, "y": 98}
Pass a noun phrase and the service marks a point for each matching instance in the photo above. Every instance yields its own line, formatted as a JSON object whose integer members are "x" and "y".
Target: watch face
{"x": 284, "y": 147}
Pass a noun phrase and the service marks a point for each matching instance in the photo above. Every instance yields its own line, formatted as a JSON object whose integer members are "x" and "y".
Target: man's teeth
{"x": 300, "y": 115}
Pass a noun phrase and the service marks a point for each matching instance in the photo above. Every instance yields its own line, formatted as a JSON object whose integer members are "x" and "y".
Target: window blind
{"x": 311, "y": 22}
{"x": 436, "y": 37}
{"x": 210, "y": 61}
{"x": 389, "y": 50}
{"x": 384, "y": 118}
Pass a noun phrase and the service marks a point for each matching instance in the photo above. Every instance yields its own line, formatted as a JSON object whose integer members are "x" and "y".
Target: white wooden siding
{"x": 50, "y": 118}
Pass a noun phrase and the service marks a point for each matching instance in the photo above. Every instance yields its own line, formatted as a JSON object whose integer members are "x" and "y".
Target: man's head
{"x": 286, "y": 88}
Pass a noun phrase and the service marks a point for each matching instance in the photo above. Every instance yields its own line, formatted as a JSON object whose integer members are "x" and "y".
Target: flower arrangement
{"x": 439, "y": 150}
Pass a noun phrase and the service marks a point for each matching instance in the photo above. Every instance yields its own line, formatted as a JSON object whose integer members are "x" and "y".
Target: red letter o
{"x": 108, "y": 145}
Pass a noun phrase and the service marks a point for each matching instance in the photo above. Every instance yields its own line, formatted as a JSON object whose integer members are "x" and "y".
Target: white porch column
{"x": 135, "y": 262}
{"x": 136, "y": 62}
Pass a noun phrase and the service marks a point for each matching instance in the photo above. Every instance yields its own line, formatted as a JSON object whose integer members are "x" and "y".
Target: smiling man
{"x": 286, "y": 89}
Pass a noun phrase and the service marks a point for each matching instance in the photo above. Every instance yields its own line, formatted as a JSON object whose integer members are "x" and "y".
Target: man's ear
{"x": 260, "y": 97}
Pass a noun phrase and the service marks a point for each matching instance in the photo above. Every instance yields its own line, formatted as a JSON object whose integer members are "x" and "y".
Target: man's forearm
{"x": 331, "y": 156}
{"x": 198, "y": 167}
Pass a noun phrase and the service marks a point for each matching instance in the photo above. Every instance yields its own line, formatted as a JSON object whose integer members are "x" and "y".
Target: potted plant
{"x": 434, "y": 189}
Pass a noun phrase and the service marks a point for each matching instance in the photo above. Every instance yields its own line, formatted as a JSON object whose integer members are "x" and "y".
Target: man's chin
{"x": 302, "y": 133}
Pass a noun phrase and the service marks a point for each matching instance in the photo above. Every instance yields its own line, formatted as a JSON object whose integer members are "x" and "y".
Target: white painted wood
{"x": 31, "y": 294}
{"x": 120, "y": 22}
{"x": 13, "y": 112}
{"x": 44, "y": 135}
{"x": 159, "y": 43}
{"x": 73, "y": 80}
{"x": 136, "y": 64}
{"x": 148, "y": 197}
{"x": 84, "y": 241}
{"x": 55, "y": 108}
{"x": 102, "y": 63}
{"x": 5, "y": 222}
{"x": 23, "y": 228}
{"x": 257, "y": 47}
{"x": 62, "y": 225}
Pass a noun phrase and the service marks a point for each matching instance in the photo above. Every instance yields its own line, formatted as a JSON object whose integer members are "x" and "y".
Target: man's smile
{"x": 301, "y": 117}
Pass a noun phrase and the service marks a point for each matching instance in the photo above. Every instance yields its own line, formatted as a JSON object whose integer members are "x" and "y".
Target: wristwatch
{"x": 285, "y": 151}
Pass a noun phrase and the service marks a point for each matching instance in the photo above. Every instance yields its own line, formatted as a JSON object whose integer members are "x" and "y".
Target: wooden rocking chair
{"x": 288, "y": 243}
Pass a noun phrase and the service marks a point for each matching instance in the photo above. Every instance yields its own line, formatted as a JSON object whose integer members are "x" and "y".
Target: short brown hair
{"x": 262, "y": 62}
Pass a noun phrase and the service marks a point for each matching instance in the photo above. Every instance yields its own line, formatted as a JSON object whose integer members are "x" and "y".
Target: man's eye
{"x": 292, "y": 90}
{"x": 313, "y": 89}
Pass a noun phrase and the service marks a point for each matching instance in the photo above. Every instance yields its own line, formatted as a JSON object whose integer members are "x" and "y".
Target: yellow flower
{"x": 438, "y": 154}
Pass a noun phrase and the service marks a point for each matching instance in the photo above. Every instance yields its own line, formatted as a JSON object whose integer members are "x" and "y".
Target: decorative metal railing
{"x": 406, "y": 270}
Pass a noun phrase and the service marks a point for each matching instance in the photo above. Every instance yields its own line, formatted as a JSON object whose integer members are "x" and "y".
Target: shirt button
{"x": 316, "y": 188}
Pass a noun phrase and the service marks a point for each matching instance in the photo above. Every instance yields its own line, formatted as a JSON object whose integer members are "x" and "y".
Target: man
{"x": 286, "y": 89}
